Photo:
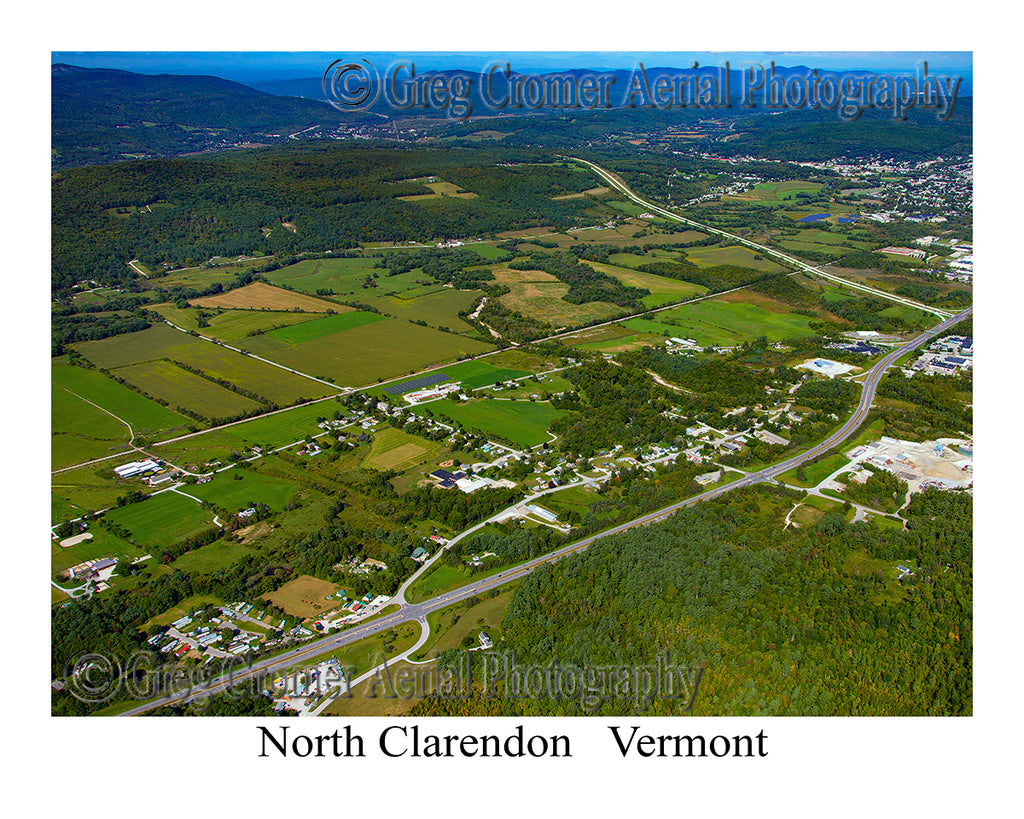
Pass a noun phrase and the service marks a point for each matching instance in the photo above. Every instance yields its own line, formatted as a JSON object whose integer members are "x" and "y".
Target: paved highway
{"x": 418, "y": 611}
{"x": 620, "y": 186}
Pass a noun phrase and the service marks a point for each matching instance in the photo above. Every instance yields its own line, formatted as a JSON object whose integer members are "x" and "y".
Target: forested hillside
{"x": 785, "y": 621}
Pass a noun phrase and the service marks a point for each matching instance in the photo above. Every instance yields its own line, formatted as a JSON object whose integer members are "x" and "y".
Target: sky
{"x": 280, "y": 65}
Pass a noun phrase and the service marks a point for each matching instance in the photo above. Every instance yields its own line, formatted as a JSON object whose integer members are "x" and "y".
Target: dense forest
{"x": 182, "y": 212}
{"x": 783, "y": 621}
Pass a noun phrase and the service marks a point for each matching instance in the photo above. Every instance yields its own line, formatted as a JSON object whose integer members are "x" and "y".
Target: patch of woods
{"x": 779, "y": 623}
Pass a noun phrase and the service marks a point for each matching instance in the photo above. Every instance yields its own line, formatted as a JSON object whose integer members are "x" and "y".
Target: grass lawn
{"x": 525, "y": 423}
{"x": 162, "y": 519}
{"x": 449, "y": 626}
{"x": 441, "y": 579}
{"x": 816, "y": 472}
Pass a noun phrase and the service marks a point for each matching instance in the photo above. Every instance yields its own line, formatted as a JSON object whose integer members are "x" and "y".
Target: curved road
{"x": 419, "y": 611}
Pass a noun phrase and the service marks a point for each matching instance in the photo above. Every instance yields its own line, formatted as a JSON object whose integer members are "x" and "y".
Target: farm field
{"x": 770, "y": 193}
{"x": 825, "y": 237}
{"x": 663, "y": 290}
{"x": 486, "y": 250}
{"x": 474, "y": 374}
{"x": 525, "y": 423}
{"x": 384, "y": 349}
{"x": 595, "y": 335}
{"x": 231, "y": 325}
{"x": 237, "y": 489}
{"x": 440, "y": 190}
{"x": 162, "y": 520}
{"x": 811, "y": 247}
{"x": 304, "y": 596}
{"x": 181, "y": 388}
{"x": 262, "y": 296}
{"x": 164, "y": 342}
{"x": 736, "y": 255}
{"x": 282, "y": 428}
{"x": 85, "y": 489}
{"x": 539, "y": 296}
{"x": 727, "y": 321}
{"x": 309, "y": 330}
{"x": 440, "y": 308}
{"x": 146, "y": 416}
{"x": 394, "y": 449}
{"x": 346, "y": 277}
{"x": 80, "y": 432}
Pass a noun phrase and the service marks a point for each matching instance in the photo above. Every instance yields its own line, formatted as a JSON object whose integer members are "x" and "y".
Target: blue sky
{"x": 263, "y": 66}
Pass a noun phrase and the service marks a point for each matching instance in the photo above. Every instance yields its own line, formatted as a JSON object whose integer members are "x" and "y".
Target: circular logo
{"x": 93, "y": 678}
{"x": 351, "y": 86}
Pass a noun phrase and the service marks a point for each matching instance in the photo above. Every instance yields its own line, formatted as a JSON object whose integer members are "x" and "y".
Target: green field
{"x": 736, "y": 255}
{"x": 474, "y": 374}
{"x": 439, "y": 308}
{"x": 525, "y": 423}
{"x": 394, "y": 449}
{"x": 772, "y": 193}
{"x": 180, "y": 388}
{"x": 663, "y": 290}
{"x": 283, "y": 428}
{"x": 146, "y": 417}
{"x": 162, "y": 519}
{"x": 725, "y": 322}
{"x": 545, "y": 302}
{"x": 86, "y": 489}
{"x": 164, "y": 342}
{"x": 80, "y": 432}
{"x": 487, "y": 251}
{"x": 102, "y": 544}
{"x": 346, "y": 277}
{"x": 384, "y": 349}
{"x": 237, "y": 489}
{"x": 230, "y": 325}
{"x": 211, "y": 557}
{"x": 449, "y": 626}
{"x": 309, "y": 330}
{"x": 817, "y": 472}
